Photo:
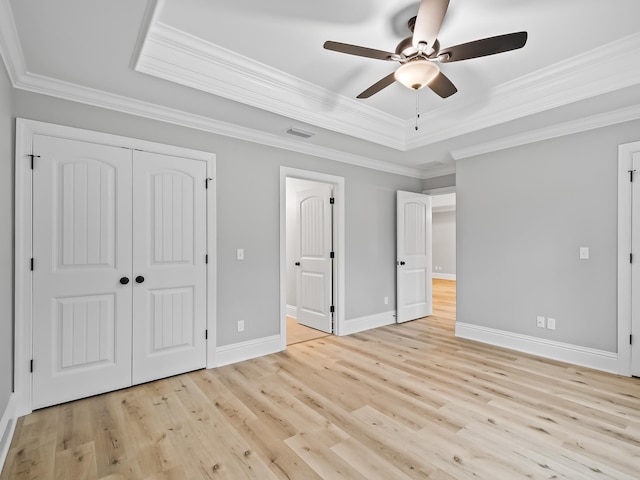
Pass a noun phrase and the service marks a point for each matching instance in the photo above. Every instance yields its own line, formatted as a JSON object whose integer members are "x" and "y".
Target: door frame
{"x": 625, "y": 163}
{"x": 339, "y": 237}
{"x": 23, "y": 250}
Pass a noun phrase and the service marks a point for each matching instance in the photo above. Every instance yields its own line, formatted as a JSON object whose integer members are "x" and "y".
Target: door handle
{"x": 297, "y": 264}
{"x": 124, "y": 280}
{"x": 400, "y": 263}
{"x": 139, "y": 279}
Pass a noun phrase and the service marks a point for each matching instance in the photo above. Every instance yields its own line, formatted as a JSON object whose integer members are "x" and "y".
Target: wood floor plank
{"x": 401, "y": 402}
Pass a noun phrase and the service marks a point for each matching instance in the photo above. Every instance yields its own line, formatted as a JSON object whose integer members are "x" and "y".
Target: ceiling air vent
{"x": 300, "y": 133}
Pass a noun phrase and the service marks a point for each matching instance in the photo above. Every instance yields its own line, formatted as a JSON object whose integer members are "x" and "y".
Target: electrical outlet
{"x": 584, "y": 253}
{"x": 540, "y": 321}
{"x": 551, "y": 323}
{"x": 241, "y": 325}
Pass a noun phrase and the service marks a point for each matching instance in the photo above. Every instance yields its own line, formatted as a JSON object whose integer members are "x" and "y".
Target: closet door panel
{"x": 169, "y": 238}
{"x": 81, "y": 248}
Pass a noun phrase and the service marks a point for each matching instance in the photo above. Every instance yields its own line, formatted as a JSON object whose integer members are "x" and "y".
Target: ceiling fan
{"x": 420, "y": 54}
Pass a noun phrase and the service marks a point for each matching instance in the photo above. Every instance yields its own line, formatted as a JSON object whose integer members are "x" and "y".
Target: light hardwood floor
{"x": 297, "y": 333}
{"x": 401, "y": 402}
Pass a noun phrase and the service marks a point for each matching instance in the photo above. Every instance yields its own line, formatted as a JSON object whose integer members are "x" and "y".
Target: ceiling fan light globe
{"x": 417, "y": 74}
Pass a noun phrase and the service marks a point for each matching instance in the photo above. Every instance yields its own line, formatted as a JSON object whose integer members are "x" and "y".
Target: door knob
{"x": 401, "y": 262}
{"x": 297, "y": 264}
{"x": 139, "y": 279}
{"x": 124, "y": 280}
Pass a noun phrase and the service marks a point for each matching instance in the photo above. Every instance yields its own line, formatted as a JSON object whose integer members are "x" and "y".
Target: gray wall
{"x": 444, "y": 242}
{"x": 248, "y": 215}
{"x": 439, "y": 182}
{"x": 522, "y": 215}
{"x": 6, "y": 238}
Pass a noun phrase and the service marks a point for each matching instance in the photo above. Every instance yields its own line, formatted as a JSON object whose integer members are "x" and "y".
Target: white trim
{"x": 568, "y": 128}
{"x": 440, "y": 191}
{"x": 625, "y": 163}
{"x": 10, "y": 48}
{"x": 339, "y": 236}
{"x": 292, "y": 311}
{"x": 563, "y": 83}
{"x": 174, "y": 55}
{"x": 25, "y": 130}
{"x": 76, "y": 93}
{"x": 7, "y": 427}
{"x": 241, "y": 351}
{"x": 564, "y": 352}
{"x": 443, "y": 276}
{"x": 212, "y": 257}
{"x": 355, "y": 325}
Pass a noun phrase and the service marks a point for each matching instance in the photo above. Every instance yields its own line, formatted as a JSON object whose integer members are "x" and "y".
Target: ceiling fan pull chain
{"x": 417, "y": 108}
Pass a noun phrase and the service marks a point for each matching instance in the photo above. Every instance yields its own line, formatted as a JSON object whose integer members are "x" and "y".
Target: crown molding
{"x": 433, "y": 172}
{"x": 563, "y": 83}
{"x": 10, "y": 49}
{"x": 77, "y": 93}
{"x": 568, "y": 128}
{"x": 179, "y": 57}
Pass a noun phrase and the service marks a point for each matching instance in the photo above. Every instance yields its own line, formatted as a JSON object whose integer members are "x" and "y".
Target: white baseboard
{"x": 7, "y": 427}
{"x": 361, "y": 324}
{"x": 292, "y": 311}
{"x": 443, "y": 276}
{"x": 239, "y": 352}
{"x": 564, "y": 352}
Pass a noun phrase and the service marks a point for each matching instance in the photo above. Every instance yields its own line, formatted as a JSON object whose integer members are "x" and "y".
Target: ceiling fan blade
{"x": 428, "y": 22}
{"x": 442, "y": 86}
{"x": 379, "y": 85}
{"x": 359, "y": 51}
{"x": 484, "y": 47}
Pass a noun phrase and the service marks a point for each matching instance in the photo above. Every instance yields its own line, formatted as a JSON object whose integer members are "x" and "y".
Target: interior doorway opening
{"x": 444, "y": 248}
{"x": 311, "y": 255}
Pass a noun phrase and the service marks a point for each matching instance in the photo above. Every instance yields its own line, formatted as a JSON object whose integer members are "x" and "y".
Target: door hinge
{"x": 332, "y": 309}
{"x": 332, "y": 255}
{"x": 206, "y": 258}
{"x": 631, "y": 258}
{"x": 332, "y": 200}
{"x": 206, "y": 334}
{"x": 630, "y": 339}
{"x": 32, "y": 157}
{"x": 631, "y": 175}
{"x": 206, "y": 182}
{"x": 31, "y": 366}
{"x": 31, "y": 264}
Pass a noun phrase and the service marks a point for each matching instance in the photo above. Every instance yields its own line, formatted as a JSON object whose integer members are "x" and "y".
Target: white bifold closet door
{"x": 119, "y": 279}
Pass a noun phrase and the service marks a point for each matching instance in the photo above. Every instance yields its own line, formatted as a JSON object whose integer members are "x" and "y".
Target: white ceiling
{"x": 252, "y": 69}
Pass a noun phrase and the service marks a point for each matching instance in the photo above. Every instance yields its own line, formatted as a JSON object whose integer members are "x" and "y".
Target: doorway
{"x": 311, "y": 255}
{"x": 444, "y": 249}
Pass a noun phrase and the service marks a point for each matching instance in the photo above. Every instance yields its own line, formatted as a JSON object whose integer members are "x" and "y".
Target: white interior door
{"x": 314, "y": 277}
{"x": 169, "y": 266}
{"x": 635, "y": 267}
{"x": 413, "y": 270}
{"x": 82, "y": 250}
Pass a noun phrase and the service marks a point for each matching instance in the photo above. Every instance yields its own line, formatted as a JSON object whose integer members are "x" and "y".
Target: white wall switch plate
{"x": 241, "y": 325}
{"x": 240, "y": 254}
{"x": 540, "y": 321}
{"x": 551, "y": 323}
{"x": 386, "y": 300}
{"x": 584, "y": 253}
